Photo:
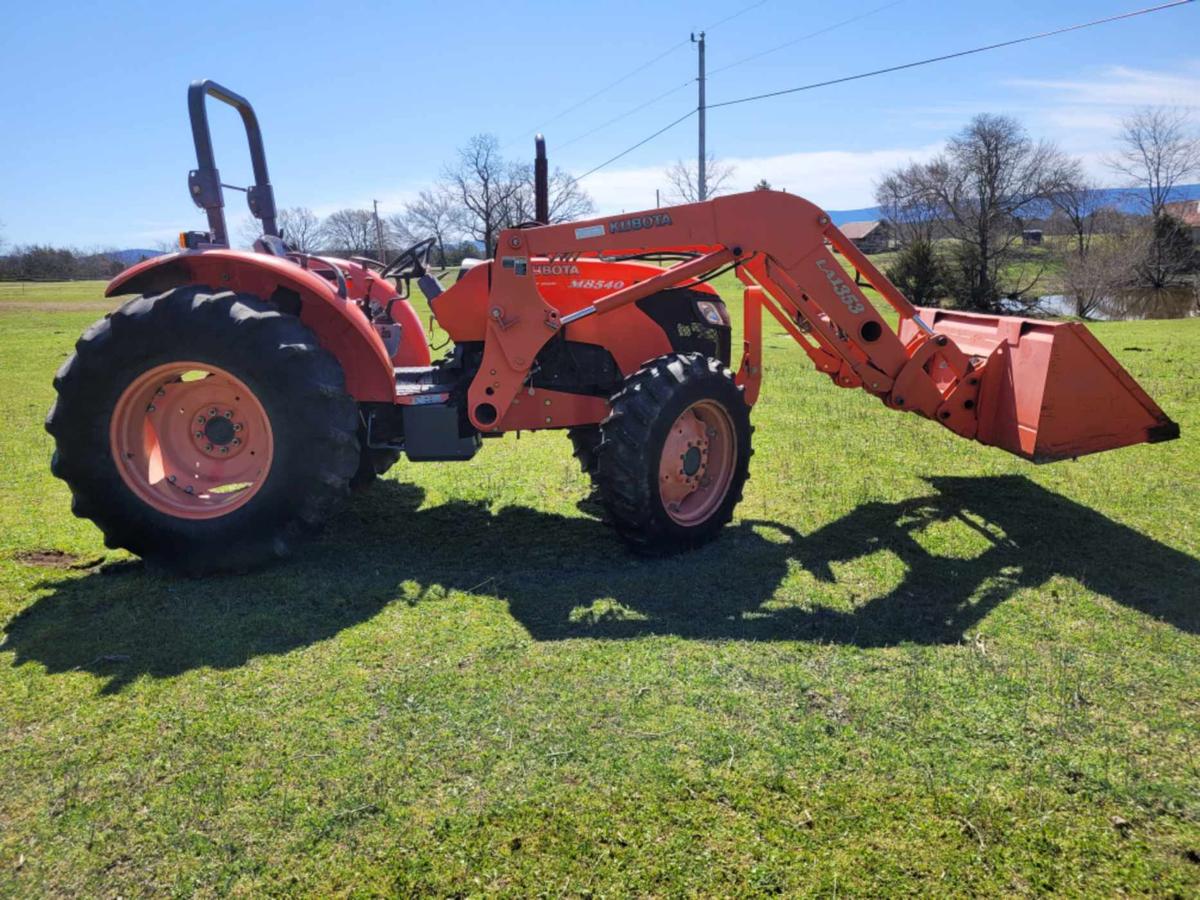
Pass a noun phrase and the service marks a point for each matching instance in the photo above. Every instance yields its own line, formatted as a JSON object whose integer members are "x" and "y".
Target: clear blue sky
{"x": 362, "y": 101}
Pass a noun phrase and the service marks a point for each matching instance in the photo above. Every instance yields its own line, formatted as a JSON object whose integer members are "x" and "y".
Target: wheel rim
{"x": 191, "y": 440}
{"x": 697, "y": 463}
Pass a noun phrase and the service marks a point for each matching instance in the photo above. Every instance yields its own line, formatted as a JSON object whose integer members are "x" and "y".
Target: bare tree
{"x": 248, "y": 230}
{"x": 1159, "y": 150}
{"x": 483, "y": 188}
{"x": 684, "y": 179}
{"x": 432, "y": 214}
{"x": 1079, "y": 202}
{"x": 763, "y": 185}
{"x": 988, "y": 179}
{"x": 300, "y": 228}
{"x": 912, "y": 212}
{"x": 397, "y": 234}
{"x": 298, "y": 225}
{"x": 1106, "y": 269}
{"x": 350, "y": 232}
{"x": 567, "y": 200}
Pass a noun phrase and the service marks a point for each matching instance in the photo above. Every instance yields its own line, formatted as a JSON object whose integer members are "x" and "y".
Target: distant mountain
{"x": 1129, "y": 200}
{"x": 866, "y": 214}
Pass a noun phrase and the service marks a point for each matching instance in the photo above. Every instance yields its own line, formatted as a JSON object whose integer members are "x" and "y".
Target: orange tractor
{"x": 220, "y": 416}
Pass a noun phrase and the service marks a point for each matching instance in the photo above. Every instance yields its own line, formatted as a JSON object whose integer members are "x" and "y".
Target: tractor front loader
{"x": 221, "y": 415}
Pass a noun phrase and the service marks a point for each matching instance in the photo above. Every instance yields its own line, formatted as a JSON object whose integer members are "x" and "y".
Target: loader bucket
{"x": 1049, "y": 389}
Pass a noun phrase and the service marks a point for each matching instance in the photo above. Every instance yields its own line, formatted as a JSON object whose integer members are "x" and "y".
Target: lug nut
{"x": 199, "y": 420}
{"x": 224, "y": 449}
{"x": 208, "y": 447}
{"x": 237, "y": 426}
{"x": 213, "y": 411}
{"x": 237, "y": 442}
{"x": 229, "y": 413}
{"x": 199, "y": 435}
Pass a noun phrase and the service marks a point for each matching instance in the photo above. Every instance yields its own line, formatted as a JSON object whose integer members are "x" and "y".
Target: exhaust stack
{"x": 541, "y": 182}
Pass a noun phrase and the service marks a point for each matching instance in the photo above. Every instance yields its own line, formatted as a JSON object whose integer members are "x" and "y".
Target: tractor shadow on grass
{"x": 569, "y": 577}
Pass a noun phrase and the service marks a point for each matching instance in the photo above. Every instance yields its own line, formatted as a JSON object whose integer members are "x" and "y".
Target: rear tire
{"x": 275, "y": 385}
{"x": 674, "y": 453}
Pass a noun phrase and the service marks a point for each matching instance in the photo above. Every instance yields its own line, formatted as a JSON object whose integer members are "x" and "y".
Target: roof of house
{"x": 1188, "y": 211}
{"x": 858, "y": 230}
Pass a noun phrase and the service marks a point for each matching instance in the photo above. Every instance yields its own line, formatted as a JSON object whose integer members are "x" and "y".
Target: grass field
{"x": 911, "y": 665}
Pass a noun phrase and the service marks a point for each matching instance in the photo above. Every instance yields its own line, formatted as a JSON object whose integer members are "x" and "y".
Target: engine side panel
{"x": 633, "y": 334}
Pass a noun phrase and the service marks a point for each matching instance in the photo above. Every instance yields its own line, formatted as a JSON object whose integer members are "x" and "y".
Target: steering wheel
{"x": 412, "y": 262}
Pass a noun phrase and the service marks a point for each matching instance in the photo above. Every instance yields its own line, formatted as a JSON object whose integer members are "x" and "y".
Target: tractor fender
{"x": 339, "y": 325}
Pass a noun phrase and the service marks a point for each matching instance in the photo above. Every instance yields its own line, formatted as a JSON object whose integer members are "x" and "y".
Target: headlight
{"x": 712, "y": 313}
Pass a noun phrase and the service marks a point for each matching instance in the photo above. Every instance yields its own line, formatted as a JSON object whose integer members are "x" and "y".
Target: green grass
{"x": 911, "y": 665}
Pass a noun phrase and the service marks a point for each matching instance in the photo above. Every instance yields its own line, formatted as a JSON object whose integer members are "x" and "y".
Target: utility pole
{"x": 379, "y": 235}
{"x": 701, "y": 178}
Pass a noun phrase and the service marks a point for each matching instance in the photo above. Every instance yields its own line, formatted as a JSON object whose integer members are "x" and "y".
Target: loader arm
{"x": 778, "y": 241}
{"x": 781, "y": 246}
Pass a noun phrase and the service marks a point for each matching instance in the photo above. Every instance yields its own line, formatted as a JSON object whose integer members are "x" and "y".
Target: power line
{"x": 590, "y": 97}
{"x": 730, "y": 18}
{"x": 884, "y": 71}
{"x": 646, "y": 140}
{"x": 626, "y": 114}
{"x": 956, "y": 55}
{"x": 809, "y": 36}
{"x": 631, "y": 73}
{"x": 669, "y": 92}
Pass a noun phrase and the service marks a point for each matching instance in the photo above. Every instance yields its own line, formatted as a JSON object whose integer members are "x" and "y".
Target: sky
{"x": 369, "y": 101}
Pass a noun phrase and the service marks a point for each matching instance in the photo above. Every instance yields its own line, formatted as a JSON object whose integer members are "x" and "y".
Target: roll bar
{"x": 204, "y": 182}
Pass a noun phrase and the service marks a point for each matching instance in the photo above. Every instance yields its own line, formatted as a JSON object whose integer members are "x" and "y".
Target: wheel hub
{"x": 697, "y": 463}
{"x": 192, "y": 440}
{"x": 219, "y": 431}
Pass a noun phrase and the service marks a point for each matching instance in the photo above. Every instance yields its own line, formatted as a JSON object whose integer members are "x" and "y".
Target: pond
{"x": 1177, "y": 302}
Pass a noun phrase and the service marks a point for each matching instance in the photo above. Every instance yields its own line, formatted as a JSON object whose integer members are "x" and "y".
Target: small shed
{"x": 1031, "y": 237}
{"x": 869, "y": 237}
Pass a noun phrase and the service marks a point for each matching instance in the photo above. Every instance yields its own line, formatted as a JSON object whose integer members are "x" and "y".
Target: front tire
{"x": 674, "y": 453}
{"x": 203, "y": 431}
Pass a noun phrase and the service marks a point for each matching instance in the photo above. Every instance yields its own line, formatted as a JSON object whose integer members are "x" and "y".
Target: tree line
{"x": 476, "y": 197}
{"x": 959, "y": 218}
{"x": 38, "y": 262}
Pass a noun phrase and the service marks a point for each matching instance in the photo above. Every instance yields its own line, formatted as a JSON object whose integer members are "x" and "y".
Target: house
{"x": 1031, "y": 237}
{"x": 1188, "y": 212}
{"x": 869, "y": 237}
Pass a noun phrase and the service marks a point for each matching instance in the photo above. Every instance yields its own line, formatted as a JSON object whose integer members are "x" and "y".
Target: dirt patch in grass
{"x": 56, "y": 559}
